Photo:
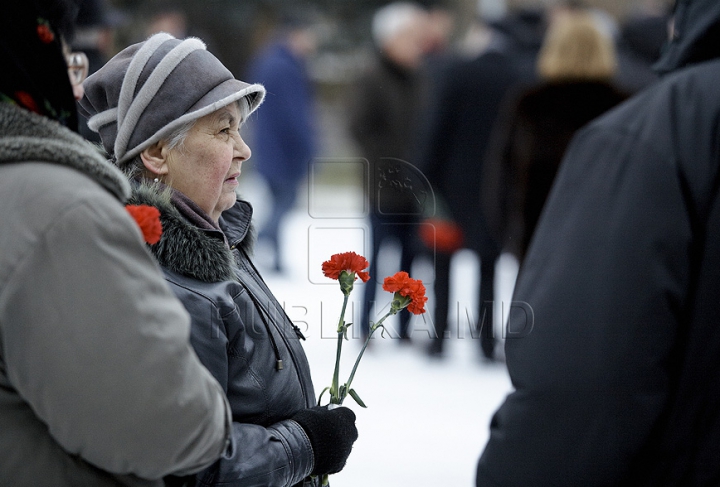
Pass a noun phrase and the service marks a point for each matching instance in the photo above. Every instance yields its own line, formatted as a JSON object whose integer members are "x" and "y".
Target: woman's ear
{"x": 155, "y": 158}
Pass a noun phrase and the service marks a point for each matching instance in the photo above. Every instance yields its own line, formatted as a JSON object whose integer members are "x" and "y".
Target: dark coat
{"x": 528, "y": 146}
{"x": 284, "y": 132}
{"x": 617, "y": 381}
{"x": 466, "y": 107}
{"x": 242, "y": 335}
{"x": 383, "y": 114}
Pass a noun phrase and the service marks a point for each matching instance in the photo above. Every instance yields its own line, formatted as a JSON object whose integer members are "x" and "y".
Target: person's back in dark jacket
{"x": 618, "y": 377}
{"x": 465, "y": 109}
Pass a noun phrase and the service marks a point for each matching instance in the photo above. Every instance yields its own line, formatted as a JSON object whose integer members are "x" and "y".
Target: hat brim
{"x": 225, "y": 93}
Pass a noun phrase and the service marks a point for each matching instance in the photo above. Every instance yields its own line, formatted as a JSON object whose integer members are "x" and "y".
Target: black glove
{"x": 332, "y": 434}
{"x": 173, "y": 481}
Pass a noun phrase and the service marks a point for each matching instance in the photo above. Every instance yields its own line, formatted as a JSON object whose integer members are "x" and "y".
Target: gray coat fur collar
{"x": 27, "y": 136}
{"x": 191, "y": 251}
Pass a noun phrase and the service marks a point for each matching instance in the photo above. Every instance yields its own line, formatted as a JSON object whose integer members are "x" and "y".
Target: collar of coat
{"x": 27, "y": 136}
{"x": 192, "y": 251}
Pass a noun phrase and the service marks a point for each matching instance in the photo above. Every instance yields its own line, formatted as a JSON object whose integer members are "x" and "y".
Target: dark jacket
{"x": 243, "y": 336}
{"x": 467, "y": 105}
{"x": 617, "y": 381}
{"x": 285, "y": 133}
{"x": 383, "y": 112}
{"x": 527, "y": 147}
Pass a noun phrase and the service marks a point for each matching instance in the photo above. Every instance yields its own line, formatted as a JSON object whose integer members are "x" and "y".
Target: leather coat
{"x": 243, "y": 336}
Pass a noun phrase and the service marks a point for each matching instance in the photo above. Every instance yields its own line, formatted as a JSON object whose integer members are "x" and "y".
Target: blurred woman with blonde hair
{"x": 576, "y": 65}
{"x": 575, "y": 48}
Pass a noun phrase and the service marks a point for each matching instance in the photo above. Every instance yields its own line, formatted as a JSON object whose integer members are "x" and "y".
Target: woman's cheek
{"x": 222, "y": 167}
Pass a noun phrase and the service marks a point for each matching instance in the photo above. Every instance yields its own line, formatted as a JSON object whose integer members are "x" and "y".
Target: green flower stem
{"x": 335, "y": 386}
{"x": 362, "y": 351}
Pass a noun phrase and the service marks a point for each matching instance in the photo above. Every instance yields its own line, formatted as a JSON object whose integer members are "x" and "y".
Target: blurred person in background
{"x": 440, "y": 26}
{"x": 576, "y": 66}
{"x": 439, "y": 30}
{"x": 94, "y": 35}
{"x": 617, "y": 373}
{"x": 94, "y": 32}
{"x": 285, "y": 133}
{"x": 523, "y": 29}
{"x": 466, "y": 105}
{"x": 98, "y": 384}
{"x": 170, "y": 20}
{"x": 170, "y": 114}
{"x": 383, "y": 118}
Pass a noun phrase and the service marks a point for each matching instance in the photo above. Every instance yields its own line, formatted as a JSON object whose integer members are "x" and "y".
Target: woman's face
{"x": 78, "y": 66}
{"x": 206, "y": 166}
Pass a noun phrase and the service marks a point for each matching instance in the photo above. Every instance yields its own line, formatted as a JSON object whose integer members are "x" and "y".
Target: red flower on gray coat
{"x": 148, "y": 219}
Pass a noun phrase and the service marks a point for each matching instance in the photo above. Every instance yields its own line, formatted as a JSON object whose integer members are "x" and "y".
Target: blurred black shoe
{"x": 435, "y": 349}
{"x": 405, "y": 340}
{"x": 487, "y": 344}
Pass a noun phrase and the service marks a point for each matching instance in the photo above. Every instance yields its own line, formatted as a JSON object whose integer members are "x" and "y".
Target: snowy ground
{"x": 427, "y": 420}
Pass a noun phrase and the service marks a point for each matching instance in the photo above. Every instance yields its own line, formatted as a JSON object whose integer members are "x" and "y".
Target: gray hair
{"x": 135, "y": 167}
{"x": 393, "y": 18}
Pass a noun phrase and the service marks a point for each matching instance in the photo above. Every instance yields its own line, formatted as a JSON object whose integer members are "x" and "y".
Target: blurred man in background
{"x": 285, "y": 138}
{"x": 385, "y": 104}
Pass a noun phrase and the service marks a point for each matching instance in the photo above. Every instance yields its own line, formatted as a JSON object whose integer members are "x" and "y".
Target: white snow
{"x": 426, "y": 423}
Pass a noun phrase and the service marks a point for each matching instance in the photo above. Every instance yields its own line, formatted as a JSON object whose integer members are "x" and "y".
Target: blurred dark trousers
{"x": 284, "y": 194}
{"x": 486, "y": 296}
{"x": 403, "y": 231}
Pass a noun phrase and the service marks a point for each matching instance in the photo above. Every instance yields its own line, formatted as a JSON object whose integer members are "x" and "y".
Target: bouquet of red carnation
{"x": 407, "y": 293}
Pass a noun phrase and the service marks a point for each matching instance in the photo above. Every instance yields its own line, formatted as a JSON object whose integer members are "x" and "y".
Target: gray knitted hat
{"x": 150, "y": 89}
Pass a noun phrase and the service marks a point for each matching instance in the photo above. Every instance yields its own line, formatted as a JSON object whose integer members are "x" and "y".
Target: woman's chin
{"x": 226, "y": 201}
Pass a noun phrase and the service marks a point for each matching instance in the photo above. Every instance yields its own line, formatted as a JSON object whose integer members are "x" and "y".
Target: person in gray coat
{"x": 170, "y": 114}
{"x": 99, "y": 385}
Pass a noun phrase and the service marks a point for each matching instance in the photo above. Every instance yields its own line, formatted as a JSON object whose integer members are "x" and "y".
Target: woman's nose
{"x": 78, "y": 92}
{"x": 242, "y": 149}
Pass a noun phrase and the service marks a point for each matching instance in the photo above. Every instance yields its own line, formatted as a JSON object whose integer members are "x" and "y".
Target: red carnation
{"x": 148, "y": 219}
{"x": 25, "y": 99}
{"x": 398, "y": 283}
{"x": 417, "y": 306}
{"x": 408, "y": 287}
{"x": 349, "y": 262}
{"x": 45, "y": 33}
{"x": 443, "y": 235}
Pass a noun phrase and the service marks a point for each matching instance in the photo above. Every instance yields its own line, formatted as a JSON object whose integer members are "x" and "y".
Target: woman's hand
{"x": 332, "y": 434}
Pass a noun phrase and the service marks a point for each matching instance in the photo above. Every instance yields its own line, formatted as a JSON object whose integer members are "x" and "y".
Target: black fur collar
{"x": 192, "y": 251}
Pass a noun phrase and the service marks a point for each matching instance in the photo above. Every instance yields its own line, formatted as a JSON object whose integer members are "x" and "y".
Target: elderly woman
{"x": 169, "y": 113}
